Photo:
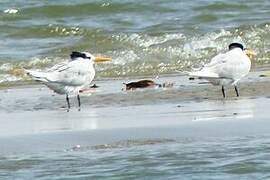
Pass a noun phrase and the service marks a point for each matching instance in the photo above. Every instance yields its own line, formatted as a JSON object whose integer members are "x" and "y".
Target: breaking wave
{"x": 146, "y": 54}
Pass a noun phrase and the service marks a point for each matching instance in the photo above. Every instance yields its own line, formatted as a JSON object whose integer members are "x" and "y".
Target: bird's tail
{"x": 200, "y": 73}
{"x": 36, "y": 75}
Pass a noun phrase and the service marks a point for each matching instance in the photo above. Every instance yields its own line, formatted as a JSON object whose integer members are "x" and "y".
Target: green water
{"x": 142, "y": 37}
{"x": 233, "y": 158}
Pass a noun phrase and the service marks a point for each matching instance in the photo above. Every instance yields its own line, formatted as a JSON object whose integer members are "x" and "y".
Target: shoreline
{"x": 260, "y": 69}
{"x": 34, "y": 119}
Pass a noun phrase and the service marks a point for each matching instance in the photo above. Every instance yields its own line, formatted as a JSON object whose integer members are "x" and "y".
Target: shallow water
{"x": 211, "y": 158}
{"x": 144, "y": 134}
{"x": 142, "y": 37}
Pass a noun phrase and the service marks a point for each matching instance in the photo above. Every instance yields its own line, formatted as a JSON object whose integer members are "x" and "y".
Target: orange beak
{"x": 102, "y": 59}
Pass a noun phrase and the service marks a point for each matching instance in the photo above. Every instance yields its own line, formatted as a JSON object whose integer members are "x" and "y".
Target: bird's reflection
{"x": 73, "y": 121}
{"x": 229, "y": 109}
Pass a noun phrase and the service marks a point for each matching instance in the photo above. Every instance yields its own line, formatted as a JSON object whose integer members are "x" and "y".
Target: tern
{"x": 71, "y": 76}
{"x": 227, "y": 68}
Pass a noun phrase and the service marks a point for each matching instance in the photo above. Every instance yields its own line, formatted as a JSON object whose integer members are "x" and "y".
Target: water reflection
{"x": 227, "y": 109}
{"x": 74, "y": 121}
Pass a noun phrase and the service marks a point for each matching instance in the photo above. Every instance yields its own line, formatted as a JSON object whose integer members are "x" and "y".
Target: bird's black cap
{"x": 76, "y": 54}
{"x": 236, "y": 45}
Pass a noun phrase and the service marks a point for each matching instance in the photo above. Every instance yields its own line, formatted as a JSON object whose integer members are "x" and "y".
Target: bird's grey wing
{"x": 218, "y": 59}
{"x": 210, "y": 70}
{"x": 59, "y": 67}
{"x": 74, "y": 73}
{"x": 232, "y": 65}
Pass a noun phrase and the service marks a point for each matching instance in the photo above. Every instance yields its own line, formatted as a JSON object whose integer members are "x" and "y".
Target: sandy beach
{"x": 188, "y": 128}
{"x": 33, "y": 119}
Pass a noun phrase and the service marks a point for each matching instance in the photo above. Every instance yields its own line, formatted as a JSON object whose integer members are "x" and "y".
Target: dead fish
{"x": 145, "y": 84}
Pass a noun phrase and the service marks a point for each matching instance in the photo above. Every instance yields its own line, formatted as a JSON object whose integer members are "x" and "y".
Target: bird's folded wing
{"x": 231, "y": 65}
{"x": 217, "y": 60}
{"x": 70, "y": 74}
{"x": 210, "y": 70}
{"x": 204, "y": 74}
{"x": 59, "y": 67}
{"x": 216, "y": 68}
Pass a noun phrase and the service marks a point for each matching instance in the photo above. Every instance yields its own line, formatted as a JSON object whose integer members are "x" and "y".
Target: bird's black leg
{"x": 223, "y": 92}
{"x": 79, "y": 102}
{"x": 68, "y": 104}
{"x": 236, "y": 90}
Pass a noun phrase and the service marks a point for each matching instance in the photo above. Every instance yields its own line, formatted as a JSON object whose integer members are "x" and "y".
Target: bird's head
{"x": 250, "y": 53}
{"x": 88, "y": 56}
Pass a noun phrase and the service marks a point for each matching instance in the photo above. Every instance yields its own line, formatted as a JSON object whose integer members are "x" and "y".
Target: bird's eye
{"x": 86, "y": 57}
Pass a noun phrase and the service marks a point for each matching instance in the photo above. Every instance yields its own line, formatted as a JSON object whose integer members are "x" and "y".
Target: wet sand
{"x": 34, "y": 120}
